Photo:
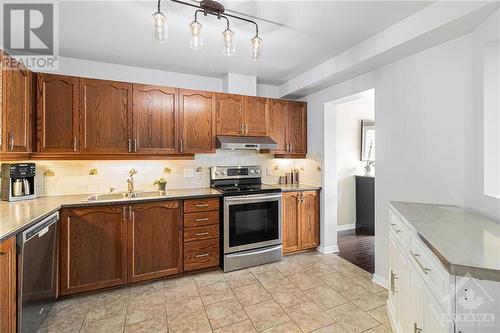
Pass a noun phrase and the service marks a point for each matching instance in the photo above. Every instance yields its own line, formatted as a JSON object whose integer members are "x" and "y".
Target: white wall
{"x": 421, "y": 104}
{"x": 348, "y": 129}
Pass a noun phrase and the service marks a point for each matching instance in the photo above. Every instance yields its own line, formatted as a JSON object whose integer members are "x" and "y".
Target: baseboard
{"x": 380, "y": 281}
{"x": 328, "y": 249}
{"x": 343, "y": 227}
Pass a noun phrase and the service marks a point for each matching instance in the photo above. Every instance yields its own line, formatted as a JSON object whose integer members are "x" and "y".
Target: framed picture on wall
{"x": 367, "y": 140}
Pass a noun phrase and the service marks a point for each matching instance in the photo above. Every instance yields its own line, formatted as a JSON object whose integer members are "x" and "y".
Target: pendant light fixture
{"x": 207, "y": 7}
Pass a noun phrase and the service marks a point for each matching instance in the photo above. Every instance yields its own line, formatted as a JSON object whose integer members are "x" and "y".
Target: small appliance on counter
{"x": 18, "y": 181}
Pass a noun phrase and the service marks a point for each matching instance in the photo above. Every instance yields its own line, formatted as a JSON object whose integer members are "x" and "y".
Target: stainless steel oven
{"x": 252, "y": 221}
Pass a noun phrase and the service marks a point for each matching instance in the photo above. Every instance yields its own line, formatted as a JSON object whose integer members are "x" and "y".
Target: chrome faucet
{"x": 130, "y": 180}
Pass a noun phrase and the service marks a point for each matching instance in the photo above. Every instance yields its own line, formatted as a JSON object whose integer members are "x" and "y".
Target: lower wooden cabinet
{"x": 106, "y": 246}
{"x": 8, "y": 285}
{"x": 300, "y": 221}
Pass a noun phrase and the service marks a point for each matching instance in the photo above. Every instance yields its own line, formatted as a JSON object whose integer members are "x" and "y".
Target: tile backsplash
{"x": 80, "y": 177}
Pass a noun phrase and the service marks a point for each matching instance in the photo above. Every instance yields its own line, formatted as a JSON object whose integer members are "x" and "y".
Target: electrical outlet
{"x": 188, "y": 173}
{"x": 268, "y": 172}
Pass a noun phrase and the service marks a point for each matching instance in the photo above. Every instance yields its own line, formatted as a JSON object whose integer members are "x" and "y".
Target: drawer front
{"x": 201, "y": 233}
{"x": 399, "y": 230}
{"x": 201, "y": 205}
{"x": 201, "y": 219}
{"x": 201, "y": 254}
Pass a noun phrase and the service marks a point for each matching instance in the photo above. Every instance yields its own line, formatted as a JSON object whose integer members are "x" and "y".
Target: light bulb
{"x": 228, "y": 43}
{"x": 159, "y": 27}
{"x": 256, "y": 46}
{"x": 196, "y": 40}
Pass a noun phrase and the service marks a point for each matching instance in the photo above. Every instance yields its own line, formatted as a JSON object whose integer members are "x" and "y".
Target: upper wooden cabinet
{"x": 197, "y": 121}
{"x": 230, "y": 120}
{"x": 154, "y": 119}
{"x": 297, "y": 127}
{"x": 57, "y": 113}
{"x": 16, "y": 106}
{"x": 278, "y": 124}
{"x": 8, "y": 278}
{"x": 105, "y": 116}
{"x": 256, "y": 116}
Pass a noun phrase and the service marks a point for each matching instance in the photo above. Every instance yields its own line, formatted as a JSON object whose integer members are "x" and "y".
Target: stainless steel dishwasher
{"x": 37, "y": 271}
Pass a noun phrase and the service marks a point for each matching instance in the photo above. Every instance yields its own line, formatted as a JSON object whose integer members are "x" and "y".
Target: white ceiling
{"x": 297, "y": 34}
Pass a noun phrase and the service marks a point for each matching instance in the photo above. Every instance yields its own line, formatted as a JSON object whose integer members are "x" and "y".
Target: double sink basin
{"x": 127, "y": 195}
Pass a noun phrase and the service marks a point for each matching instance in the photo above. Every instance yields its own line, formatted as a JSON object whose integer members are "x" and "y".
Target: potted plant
{"x": 161, "y": 183}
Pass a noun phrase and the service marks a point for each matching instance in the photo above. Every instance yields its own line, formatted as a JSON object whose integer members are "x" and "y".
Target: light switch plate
{"x": 188, "y": 173}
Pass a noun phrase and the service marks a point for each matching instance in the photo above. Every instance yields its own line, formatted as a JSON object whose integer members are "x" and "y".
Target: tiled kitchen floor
{"x": 308, "y": 292}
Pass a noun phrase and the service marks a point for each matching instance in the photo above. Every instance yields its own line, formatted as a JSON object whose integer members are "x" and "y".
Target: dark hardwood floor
{"x": 357, "y": 248}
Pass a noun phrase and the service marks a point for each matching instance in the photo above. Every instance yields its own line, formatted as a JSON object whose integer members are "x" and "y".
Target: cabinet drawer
{"x": 201, "y": 254}
{"x": 201, "y": 233}
{"x": 201, "y": 205}
{"x": 399, "y": 230}
{"x": 201, "y": 219}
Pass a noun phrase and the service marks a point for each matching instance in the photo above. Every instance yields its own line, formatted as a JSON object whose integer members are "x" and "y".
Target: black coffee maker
{"x": 18, "y": 181}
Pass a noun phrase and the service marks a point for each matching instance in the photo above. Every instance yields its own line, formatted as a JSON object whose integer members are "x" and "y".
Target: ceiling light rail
{"x": 207, "y": 7}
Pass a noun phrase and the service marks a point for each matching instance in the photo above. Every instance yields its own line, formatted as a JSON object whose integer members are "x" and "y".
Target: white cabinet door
{"x": 435, "y": 320}
{"x": 399, "y": 292}
{"x": 415, "y": 309}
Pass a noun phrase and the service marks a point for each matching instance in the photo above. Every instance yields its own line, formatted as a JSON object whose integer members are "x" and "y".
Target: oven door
{"x": 251, "y": 221}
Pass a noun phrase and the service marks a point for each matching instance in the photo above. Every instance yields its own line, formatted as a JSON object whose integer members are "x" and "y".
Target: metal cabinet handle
{"x": 123, "y": 214}
{"x": 75, "y": 143}
{"x": 11, "y": 141}
{"x": 394, "y": 277}
{"x": 182, "y": 146}
{"x": 394, "y": 226}
{"x": 416, "y": 329}
{"x": 416, "y": 256}
{"x": 201, "y": 234}
{"x": 241, "y": 128}
{"x": 135, "y": 145}
{"x": 201, "y": 220}
{"x": 130, "y": 213}
{"x": 201, "y": 255}
{"x": 201, "y": 205}
{"x": 246, "y": 128}
{"x": 291, "y": 147}
{"x": 129, "y": 145}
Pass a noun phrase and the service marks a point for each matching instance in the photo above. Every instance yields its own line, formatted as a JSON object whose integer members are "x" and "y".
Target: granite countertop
{"x": 465, "y": 242}
{"x": 296, "y": 187}
{"x": 17, "y": 216}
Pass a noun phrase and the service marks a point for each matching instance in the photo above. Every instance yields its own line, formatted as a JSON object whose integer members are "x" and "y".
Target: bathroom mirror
{"x": 367, "y": 140}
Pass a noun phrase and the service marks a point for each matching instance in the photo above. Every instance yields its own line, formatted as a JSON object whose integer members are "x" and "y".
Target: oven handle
{"x": 269, "y": 249}
{"x": 253, "y": 197}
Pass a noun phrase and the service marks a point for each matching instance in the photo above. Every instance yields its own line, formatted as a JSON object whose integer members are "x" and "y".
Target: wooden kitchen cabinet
{"x": 105, "y": 116}
{"x": 17, "y": 104}
{"x": 277, "y": 124}
{"x": 155, "y": 239}
{"x": 8, "y": 278}
{"x": 155, "y": 119}
{"x": 300, "y": 218}
{"x": 229, "y": 114}
{"x": 256, "y": 116}
{"x": 93, "y": 251}
{"x": 57, "y": 113}
{"x": 197, "y": 121}
{"x": 297, "y": 127}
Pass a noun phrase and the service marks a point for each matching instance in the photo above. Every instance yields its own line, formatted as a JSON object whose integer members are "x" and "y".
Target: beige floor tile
{"x": 245, "y": 326}
{"x": 110, "y": 325}
{"x": 308, "y": 316}
{"x": 216, "y": 292}
{"x": 380, "y": 314}
{"x": 262, "y": 269}
{"x": 240, "y": 278}
{"x": 289, "y": 267}
{"x": 325, "y": 297}
{"x": 63, "y": 322}
{"x": 288, "y": 295}
{"x": 305, "y": 281}
{"x": 107, "y": 307}
{"x": 351, "y": 318}
{"x": 141, "y": 309}
{"x": 378, "y": 329}
{"x": 207, "y": 278}
{"x": 272, "y": 279}
{"x": 177, "y": 281}
{"x": 157, "y": 325}
{"x": 319, "y": 268}
{"x": 289, "y": 327}
{"x": 332, "y": 328}
{"x": 147, "y": 290}
{"x": 178, "y": 292}
{"x": 267, "y": 314}
{"x": 363, "y": 298}
{"x": 225, "y": 313}
{"x": 194, "y": 322}
{"x": 179, "y": 312}
{"x": 338, "y": 282}
{"x": 252, "y": 294}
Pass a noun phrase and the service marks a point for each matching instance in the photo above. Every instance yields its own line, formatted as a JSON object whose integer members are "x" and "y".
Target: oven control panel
{"x": 228, "y": 172}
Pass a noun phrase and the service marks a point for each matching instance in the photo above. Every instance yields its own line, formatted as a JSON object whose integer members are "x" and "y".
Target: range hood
{"x": 246, "y": 143}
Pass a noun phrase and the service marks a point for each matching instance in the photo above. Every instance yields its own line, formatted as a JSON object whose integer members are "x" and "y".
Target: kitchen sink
{"x": 126, "y": 195}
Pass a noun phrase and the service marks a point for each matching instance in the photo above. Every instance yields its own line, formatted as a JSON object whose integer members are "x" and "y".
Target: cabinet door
{"x": 435, "y": 319}
{"x": 309, "y": 219}
{"x": 105, "y": 116}
{"x": 16, "y": 102}
{"x": 277, "y": 123}
{"x": 296, "y": 127}
{"x": 197, "y": 119}
{"x": 290, "y": 222}
{"x": 93, "y": 248}
{"x": 8, "y": 285}
{"x": 415, "y": 308}
{"x": 229, "y": 114}
{"x": 256, "y": 116}
{"x": 155, "y": 119}
{"x": 57, "y": 113}
{"x": 155, "y": 240}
